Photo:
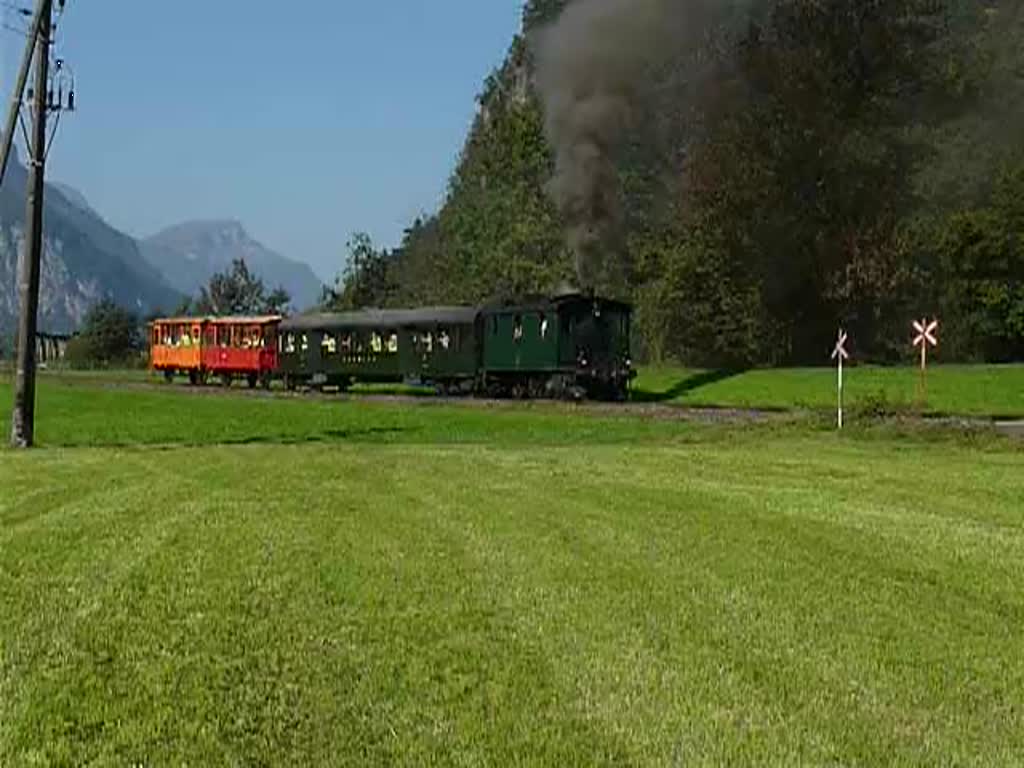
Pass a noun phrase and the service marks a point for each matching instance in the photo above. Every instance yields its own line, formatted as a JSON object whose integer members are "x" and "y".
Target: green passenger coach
{"x": 336, "y": 350}
{"x": 568, "y": 346}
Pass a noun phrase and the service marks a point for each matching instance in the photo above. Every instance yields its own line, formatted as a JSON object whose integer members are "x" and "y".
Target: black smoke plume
{"x": 593, "y": 64}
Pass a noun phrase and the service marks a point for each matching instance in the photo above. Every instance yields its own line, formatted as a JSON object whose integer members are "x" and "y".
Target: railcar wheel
{"x": 225, "y": 380}
{"x": 169, "y": 377}
{"x": 193, "y": 378}
{"x": 251, "y": 380}
{"x": 266, "y": 381}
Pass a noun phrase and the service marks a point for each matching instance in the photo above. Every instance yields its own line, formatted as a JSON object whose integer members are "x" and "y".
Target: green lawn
{"x": 210, "y": 580}
{"x": 955, "y": 390}
{"x": 975, "y": 390}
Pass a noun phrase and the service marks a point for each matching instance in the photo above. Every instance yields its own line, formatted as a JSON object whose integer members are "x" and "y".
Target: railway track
{"x": 654, "y": 410}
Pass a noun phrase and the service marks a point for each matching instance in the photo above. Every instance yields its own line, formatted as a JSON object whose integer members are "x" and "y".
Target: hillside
{"x": 189, "y": 254}
{"x": 750, "y": 175}
{"x": 84, "y": 260}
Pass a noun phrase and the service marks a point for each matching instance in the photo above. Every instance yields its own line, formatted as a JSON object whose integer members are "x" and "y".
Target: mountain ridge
{"x": 190, "y": 252}
{"x": 85, "y": 259}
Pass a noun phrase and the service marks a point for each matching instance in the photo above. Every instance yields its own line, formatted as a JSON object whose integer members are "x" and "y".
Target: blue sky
{"x": 306, "y": 128}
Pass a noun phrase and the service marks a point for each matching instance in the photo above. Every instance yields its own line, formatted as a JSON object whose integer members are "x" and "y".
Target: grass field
{"x": 955, "y": 390}
{"x": 967, "y": 390}
{"x": 211, "y": 580}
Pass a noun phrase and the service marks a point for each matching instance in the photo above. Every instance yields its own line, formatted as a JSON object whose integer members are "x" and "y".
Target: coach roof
{"x": 383, "y": 318}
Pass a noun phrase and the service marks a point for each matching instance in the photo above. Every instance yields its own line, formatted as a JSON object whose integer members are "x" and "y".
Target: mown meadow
{"x": 215, "y": 579}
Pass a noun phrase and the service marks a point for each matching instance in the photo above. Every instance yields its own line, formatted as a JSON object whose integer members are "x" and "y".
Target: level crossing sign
{"x": 926, "y": 337}
{"x": 839, "y": 354}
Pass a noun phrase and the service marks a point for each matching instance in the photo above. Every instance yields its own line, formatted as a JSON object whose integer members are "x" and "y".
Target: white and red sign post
{"x": 840, "y": 354}
{"x": 926, "y": 337}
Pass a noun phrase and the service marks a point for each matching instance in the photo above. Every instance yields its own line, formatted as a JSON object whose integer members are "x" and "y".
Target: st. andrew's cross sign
{"x": 926, "y": 337}
{"x": 840, "y": 354}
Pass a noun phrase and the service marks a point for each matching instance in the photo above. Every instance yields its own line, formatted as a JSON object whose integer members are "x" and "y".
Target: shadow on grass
{"x": 326, "y": 436}
{"x": 686, "y": 385}
{"x": 322, "y": 436}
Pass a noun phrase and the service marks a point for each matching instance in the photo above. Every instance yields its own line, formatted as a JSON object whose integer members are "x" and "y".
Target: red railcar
{"x": 241, "y": 348}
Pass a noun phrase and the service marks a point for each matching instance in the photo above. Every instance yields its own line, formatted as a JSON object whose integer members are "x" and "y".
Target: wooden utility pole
{"x": 19, "y": 88}
{"x": 23, "y": 417}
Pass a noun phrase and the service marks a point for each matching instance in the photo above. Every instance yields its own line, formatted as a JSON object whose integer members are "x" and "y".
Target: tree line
{"x": 804, "y": 166}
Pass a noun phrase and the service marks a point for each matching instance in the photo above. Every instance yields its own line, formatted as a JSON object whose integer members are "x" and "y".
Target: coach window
{"x": 304, "y": 343}
{"x": 543, "y": 325}
{"x": 494, "y": 325}
{"x": 328, "y": 345}
{"x": 376, "y": 343}
{"x": 517, "y": 329}
{"x": 393, "y": 344}
{"x": 444, "y": 339}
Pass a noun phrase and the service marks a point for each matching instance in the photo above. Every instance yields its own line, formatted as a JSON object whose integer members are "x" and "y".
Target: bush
{"x": 110, "y": 337}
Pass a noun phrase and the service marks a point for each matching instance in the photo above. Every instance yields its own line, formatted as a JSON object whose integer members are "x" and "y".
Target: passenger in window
{"x": 393, "y": 343}
{"x": 543, "y": 326}
{"x": 517, "y": 329}
{"x": 445, "y": 340}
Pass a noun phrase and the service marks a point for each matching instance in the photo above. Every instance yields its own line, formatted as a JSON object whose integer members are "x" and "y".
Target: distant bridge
{"x": 51, "y": 347}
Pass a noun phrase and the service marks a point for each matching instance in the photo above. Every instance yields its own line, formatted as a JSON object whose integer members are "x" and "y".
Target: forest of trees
{"x": 801, "y": 165}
